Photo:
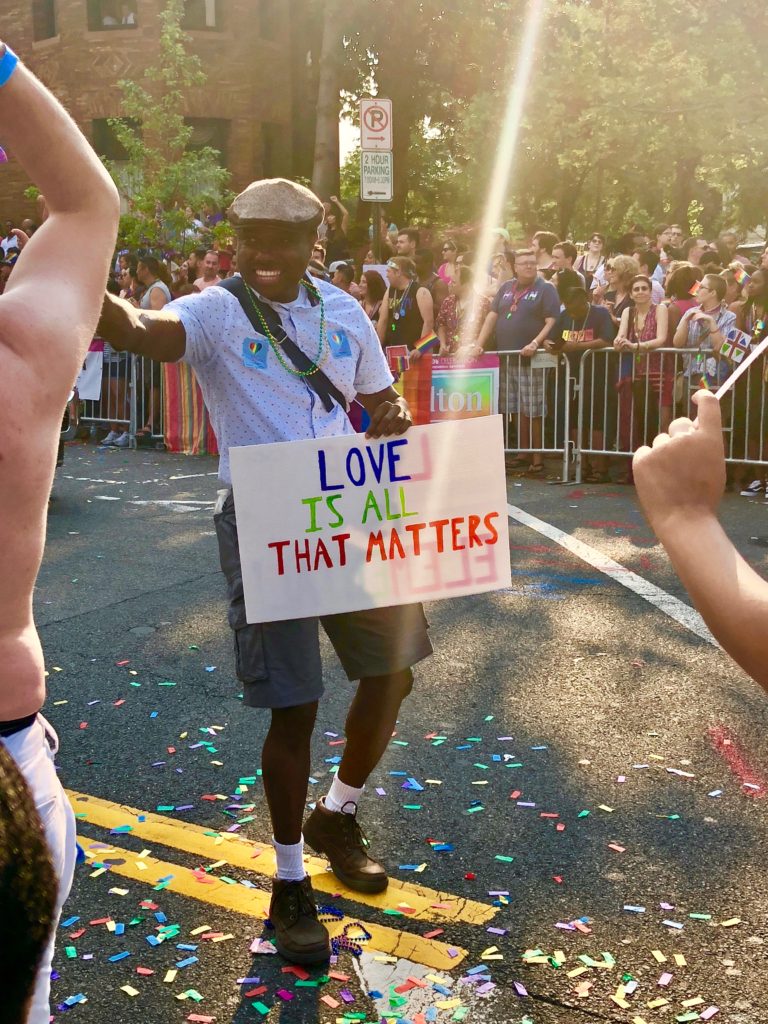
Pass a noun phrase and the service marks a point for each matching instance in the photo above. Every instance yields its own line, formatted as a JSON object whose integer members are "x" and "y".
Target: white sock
{"x": 290, "y": 860}
{"x": 341, "y": 796}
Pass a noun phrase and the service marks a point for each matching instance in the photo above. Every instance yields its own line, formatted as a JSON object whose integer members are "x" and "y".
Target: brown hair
{"x": 375, "y": 283}
{"x": 403, "y": 263}
{"x": 681, "y": 279}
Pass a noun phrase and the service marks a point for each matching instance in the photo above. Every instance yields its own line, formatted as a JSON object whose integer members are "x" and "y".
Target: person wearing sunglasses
{"x": 592, "y": 262}
{"x": 448, "y": 271}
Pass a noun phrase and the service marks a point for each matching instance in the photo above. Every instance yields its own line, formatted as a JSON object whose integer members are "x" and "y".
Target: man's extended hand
{"x": 530, "y": 350}
{"x": 389, "y": 418}
{"x": 682, "y": 477}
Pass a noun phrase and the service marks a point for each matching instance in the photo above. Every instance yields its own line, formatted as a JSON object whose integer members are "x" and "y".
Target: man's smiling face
{"x": 272, "y": 257}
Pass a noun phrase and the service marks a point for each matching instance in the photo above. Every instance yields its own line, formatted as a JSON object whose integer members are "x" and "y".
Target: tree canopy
{"x": 638, "y": 110}
{"x": 162, "y": 175}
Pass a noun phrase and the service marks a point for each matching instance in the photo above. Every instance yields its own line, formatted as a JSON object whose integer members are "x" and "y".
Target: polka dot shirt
{"x": 251, "y": 397}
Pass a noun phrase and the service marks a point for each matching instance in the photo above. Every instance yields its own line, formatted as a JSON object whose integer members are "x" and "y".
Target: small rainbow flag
{"x": 694, "y": 289}
{"x": 401, "y": 363}
{"x": 742, "y": 277}
{"x": 703, "y": 384}
{"x": 427, "y": 343}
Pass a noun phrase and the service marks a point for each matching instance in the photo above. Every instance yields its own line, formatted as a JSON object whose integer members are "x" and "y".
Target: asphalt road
{"x": 566, "y": 701}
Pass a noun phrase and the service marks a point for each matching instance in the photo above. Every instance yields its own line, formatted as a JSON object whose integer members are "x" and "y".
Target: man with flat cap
{"x": 314, "y": 351}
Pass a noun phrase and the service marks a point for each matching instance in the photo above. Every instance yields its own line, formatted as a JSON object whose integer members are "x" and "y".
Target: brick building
{"x": 81, "y": 48}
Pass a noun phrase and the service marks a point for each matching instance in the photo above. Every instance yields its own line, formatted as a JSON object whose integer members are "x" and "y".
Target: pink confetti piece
{"x": 664, "y": 979}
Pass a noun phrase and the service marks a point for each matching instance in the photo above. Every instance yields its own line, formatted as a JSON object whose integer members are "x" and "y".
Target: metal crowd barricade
{"x": 132, "y": 399}
{"x": 113, "y": 410}
{"x": 148, "y": 398}
{"x": 541, "y": 389}
{"x": 624, "y": 401}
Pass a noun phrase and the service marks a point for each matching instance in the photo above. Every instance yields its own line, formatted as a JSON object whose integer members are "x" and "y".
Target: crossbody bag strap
{"x": 327, "y": 392}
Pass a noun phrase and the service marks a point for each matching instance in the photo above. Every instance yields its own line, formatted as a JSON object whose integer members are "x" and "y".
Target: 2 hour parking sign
{"x": 376, "y": 177}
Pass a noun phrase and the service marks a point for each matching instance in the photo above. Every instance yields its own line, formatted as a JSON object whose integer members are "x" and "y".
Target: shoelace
{"x": 355, "y": 832}
{"x": 298, "y": 902}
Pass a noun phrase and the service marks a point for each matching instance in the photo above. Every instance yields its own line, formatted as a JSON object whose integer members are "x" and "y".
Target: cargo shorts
{"x": 279, "y": 663}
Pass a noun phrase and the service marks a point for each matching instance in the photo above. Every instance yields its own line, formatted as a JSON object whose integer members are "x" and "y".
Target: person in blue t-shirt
{"x": 522, "y": 314}
{"x": 580, "y": 328}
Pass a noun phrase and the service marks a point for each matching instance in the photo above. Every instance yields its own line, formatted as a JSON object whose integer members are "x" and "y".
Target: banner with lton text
{"x": 345, "y": 523}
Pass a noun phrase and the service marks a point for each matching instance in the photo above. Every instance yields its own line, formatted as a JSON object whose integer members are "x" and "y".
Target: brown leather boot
{"x": 299, "y": 936}
{"x": 338, "y": 836}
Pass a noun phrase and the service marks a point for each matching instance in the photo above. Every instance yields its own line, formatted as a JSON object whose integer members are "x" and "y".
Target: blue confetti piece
{"x": 119, "y": 956}
{"x": 69, "y": 922}
{"x": 188, "y": 962}
{"x": 119, "y": 929}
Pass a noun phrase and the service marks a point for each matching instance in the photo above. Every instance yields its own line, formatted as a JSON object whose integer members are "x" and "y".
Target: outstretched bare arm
{"x": 50, "y": 306}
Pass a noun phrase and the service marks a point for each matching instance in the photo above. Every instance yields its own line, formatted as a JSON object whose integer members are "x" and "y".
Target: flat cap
{"x": 277, "y": 199}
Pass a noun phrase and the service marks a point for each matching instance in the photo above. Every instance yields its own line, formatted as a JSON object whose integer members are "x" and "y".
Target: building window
{"x": 202, "y": 15}
{"x": 43, "y": 19}
{"x": 104, "y": 15}
{"x": 105, "y": 140}
{"x": 269, "y": 19}
{"x": 209, "y": 131}
{"x": 273, "y": 162}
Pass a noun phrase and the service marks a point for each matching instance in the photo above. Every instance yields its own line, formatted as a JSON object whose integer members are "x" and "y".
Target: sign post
{"x": 376, "y": 168}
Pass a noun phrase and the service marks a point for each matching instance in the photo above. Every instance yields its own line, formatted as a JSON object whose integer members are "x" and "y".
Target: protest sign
{"x": 380, "y": 268}
{"x": 345, "y": 523}
{"x": 88, "y": 381}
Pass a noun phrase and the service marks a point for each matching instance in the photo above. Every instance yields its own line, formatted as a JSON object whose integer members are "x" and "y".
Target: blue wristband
{"x": 7, "y": 65}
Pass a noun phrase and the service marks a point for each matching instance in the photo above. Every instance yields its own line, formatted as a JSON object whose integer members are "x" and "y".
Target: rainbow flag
{"x": 427, "y": 343}
{"x": 703, "y": 384}
{"x": 694, "y": 289}
{"x": 742, "y": 277}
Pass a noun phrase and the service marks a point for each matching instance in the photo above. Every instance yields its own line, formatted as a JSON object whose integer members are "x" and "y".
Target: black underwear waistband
{"x": 11, "y": 728}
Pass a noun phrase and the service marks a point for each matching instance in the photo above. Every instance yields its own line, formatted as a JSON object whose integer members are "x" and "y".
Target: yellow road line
{"x": 255, "y": 903}
{"x": 421, "y": 902}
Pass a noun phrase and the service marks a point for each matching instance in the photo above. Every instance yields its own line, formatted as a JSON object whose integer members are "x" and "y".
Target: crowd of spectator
{"x": 637, "y": 298}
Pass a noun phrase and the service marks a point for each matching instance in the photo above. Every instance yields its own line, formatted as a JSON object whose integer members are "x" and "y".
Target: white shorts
{"x": 33, "y": 749}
